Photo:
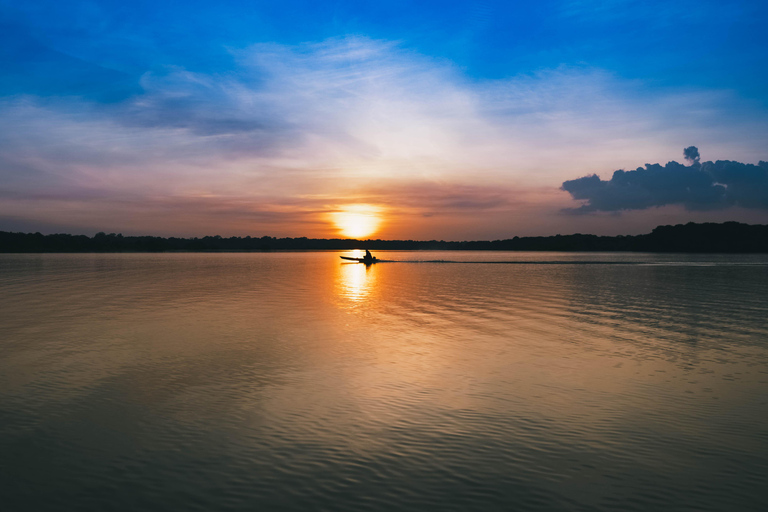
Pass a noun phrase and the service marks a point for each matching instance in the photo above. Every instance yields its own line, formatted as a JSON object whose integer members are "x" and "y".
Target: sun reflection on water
{"x": 355, "y": 279}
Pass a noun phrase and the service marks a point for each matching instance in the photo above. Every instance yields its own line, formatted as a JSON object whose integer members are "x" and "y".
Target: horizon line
{"x": 120, "y": 235}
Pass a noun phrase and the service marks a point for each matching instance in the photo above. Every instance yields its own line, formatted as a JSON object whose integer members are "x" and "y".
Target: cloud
{"x": 708, "y": 186}
{"x": 307, "y": 127}
{"x": 691, "y": 154}
{"x": 445, "y": 197}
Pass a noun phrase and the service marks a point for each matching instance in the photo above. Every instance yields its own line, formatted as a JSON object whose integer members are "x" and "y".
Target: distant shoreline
{"x": 727, "y": 237}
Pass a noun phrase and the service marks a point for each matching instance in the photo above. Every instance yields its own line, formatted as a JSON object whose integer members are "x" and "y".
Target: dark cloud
{"x": 691, "y": 154}
{"x": 701, "y": 186}
{"x": 201, "y": 116}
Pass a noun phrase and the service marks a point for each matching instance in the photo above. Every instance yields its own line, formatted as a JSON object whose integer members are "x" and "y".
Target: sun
{"x": 357, "y": 220}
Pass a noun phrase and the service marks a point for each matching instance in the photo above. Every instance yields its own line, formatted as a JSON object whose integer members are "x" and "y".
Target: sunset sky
{"x": 388, "y": 119}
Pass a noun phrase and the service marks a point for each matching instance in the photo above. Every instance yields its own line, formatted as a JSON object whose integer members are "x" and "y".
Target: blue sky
{"x": 443, "y": 119}
{"x": 685, "y": 43}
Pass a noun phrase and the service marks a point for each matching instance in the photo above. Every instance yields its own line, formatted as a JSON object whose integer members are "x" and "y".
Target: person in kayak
{"x": 368, "y": 255}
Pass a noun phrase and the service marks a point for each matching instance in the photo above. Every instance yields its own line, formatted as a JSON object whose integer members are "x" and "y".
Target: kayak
{"x": 360, "y": 260}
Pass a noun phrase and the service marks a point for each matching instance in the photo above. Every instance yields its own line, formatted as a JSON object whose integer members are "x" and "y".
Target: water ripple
{"x": 288, "y": 381}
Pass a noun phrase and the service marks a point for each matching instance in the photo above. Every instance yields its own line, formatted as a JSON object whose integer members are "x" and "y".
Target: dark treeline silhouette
{"x": 727, "y": 237}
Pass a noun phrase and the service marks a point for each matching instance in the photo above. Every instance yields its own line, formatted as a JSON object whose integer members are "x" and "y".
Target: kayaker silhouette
{"x": 368, "y": 259}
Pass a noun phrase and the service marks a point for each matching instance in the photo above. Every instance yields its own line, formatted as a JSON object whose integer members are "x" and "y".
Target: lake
{"x": 438, "y": 381}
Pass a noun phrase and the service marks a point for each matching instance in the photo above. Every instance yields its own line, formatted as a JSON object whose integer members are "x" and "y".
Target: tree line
{"x": 728, "y": 237}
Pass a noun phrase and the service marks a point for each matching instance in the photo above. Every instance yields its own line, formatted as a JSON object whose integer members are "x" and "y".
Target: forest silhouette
{"x": 728, "y": 237}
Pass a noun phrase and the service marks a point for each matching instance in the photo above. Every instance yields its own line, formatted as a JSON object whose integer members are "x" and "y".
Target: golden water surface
{"x": 435, "y": 381}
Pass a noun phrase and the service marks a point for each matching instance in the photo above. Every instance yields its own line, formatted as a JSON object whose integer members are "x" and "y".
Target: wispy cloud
{"x": 298, "y": 130}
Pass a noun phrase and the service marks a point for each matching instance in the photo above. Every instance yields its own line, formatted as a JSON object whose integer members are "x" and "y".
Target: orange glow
{"x": 355, "y": 281}
{"x": 357, "y": 220}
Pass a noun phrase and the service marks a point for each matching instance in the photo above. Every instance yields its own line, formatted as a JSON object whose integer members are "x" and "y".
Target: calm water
{"x": 292, "y": 381}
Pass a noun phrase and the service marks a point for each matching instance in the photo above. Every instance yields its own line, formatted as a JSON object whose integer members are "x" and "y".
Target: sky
{"x": 393, "y": 120}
